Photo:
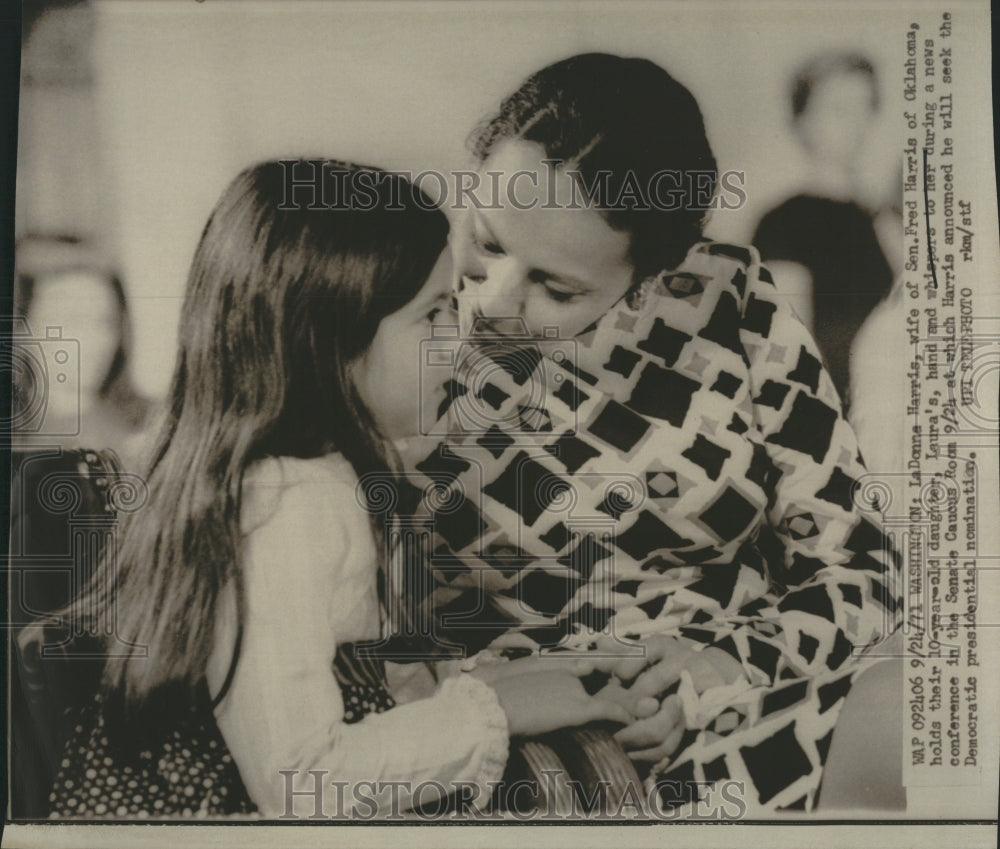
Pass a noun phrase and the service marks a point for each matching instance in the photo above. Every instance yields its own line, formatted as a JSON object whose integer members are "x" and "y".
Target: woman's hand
{"x": 542, "y": 701}
{"x": 541, "y": 694}
{"x": 661, "y": 663}
{"x": 657, "y": 726}
{"x": 710, "y": 667}
{"x": 655, "y": 737}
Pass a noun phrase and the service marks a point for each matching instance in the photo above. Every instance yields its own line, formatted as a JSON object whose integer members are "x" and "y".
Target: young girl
{"x": 238, "y": 590}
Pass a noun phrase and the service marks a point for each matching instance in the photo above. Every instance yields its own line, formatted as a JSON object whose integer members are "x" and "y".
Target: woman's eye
{"x": 559, "y": 295}
{"x": 433, "y": 313}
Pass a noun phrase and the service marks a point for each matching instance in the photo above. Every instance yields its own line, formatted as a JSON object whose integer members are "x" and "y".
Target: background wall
{"x": 188, "y": 93}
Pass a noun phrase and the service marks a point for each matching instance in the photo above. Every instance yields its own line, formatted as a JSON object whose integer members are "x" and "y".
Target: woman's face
{"x": 528, "y": 248}
{"x": 399, "y": 393}
{"x": 83, "y": 305}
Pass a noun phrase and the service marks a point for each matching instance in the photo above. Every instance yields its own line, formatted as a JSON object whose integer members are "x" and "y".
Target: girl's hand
{"x": 539, "y": 702}
{"x": 576, "y": 665}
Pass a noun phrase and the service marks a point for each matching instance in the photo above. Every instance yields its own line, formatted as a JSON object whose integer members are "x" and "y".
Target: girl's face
{"x": 528, "y": 248}
{"x": 393, "y": 386}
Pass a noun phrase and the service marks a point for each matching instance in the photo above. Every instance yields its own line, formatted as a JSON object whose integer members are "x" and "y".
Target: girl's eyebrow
{"x": 536, "y": 274}
{"x": 489, "y": 231}
{"x": 426, "y": 300}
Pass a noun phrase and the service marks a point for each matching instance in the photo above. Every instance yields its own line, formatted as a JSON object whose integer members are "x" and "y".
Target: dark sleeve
{"x": 779, "y": 235}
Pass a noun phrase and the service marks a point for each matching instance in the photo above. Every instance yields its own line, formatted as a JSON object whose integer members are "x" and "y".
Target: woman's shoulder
{"x": 323, "y": 487}
{"x": 724, "y": 253}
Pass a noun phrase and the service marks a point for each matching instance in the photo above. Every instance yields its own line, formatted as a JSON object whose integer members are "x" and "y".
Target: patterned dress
{"x": 182, "y": 767}
{"x": 682, "y": 467}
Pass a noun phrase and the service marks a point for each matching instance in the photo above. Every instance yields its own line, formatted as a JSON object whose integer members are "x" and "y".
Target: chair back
{"x": 63, "y": 518}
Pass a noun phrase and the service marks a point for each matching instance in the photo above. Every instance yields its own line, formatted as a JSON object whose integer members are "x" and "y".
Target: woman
{"x": 240, "y": 594}
{"x": 679, "y": 472}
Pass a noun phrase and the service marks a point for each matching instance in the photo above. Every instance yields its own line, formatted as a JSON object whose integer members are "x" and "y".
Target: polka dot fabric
{"x": 189, "y": 773}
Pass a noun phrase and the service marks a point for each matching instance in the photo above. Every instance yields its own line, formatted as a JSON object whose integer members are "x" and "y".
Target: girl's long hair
{"x": 282, "y": 299}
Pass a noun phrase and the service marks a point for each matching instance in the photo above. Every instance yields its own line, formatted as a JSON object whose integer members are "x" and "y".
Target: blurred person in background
{"x": 830, "y": 246}
{"x": 879, "y": 386}
{"x": 72, "y": 397}
{"x": 95, "y": 405}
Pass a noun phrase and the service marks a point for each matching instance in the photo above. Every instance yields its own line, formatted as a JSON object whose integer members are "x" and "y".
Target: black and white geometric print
{"x": 688, "y": 471}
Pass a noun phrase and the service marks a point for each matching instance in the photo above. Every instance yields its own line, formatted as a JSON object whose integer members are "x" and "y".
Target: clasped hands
{"x": 550, "y": 694}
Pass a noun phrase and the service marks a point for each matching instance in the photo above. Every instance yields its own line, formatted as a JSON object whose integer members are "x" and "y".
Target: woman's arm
{"x": 834, "y": 573}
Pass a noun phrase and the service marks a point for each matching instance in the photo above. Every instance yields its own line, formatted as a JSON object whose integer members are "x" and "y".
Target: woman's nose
{"x": 501, "y": 290}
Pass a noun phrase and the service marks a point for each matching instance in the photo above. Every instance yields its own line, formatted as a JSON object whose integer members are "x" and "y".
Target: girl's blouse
{"x": 309, "y": 569}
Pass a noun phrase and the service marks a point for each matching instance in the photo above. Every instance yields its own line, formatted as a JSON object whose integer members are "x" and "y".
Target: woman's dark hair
{"x": 282, "y": 300}
{"x": 821, "y": 68}
{"x": 620, "y": 124}
{"x": 116, "y": 388}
